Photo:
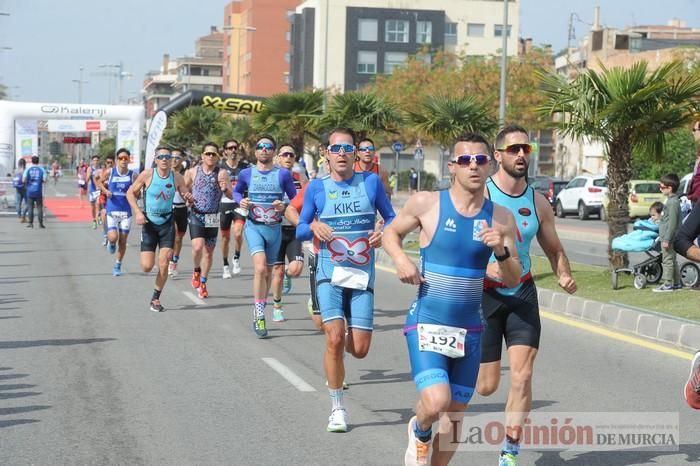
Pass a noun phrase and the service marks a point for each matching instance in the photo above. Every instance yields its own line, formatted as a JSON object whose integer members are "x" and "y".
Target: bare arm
{"x": 136, "y": 187}
{"x": 181, "y": 185}
{"x": 292, "y": 214}
{"x": 225, "y": 184}
{"x": 549, "y": 241}
{"x": 100, "y": 182}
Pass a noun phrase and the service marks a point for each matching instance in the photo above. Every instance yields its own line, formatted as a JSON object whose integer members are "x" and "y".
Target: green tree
{"x": 192, "y": 127}
{"x": 627, "y": 110}
{"x": 678, "y": 158}
{"x": 291, "y": 116}
{"x": 107, "y": 147}
{"x": 366, "y": 113}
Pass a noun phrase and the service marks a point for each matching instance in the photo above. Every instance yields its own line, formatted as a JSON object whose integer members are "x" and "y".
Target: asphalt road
{"x": 88, "y": 375}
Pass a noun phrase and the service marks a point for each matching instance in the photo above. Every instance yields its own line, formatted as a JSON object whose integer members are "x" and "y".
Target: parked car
{"x": 582, "y": 196}
{"x": 549, "y": 187}
{"x": 643, "y": 193}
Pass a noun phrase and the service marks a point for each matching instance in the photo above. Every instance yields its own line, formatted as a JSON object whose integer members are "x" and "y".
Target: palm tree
{"x": 626, "y": 110}
{"x": 364, "y": 112}
{"x": 292, "y": 115}
{"x": 191, "y": 127}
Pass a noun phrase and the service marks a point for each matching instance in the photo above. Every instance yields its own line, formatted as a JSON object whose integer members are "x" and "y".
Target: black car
{"x": 549, "y": 187}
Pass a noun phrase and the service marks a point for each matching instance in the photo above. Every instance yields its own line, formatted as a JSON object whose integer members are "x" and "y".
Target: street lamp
{"x": 80, "y": 83}
{"x": 119, "y": 73}
{"x": 504, "y": 65}
{"x": 238, "y": 51}
{"x": 5, "y": 48}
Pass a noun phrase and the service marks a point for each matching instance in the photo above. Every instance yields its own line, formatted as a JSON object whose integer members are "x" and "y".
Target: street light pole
{"x": 80, "y": 83}
{"x": 504, "y": 65}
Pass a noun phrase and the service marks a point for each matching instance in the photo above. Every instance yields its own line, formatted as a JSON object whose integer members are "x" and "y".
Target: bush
{"x": 427, "y": 180}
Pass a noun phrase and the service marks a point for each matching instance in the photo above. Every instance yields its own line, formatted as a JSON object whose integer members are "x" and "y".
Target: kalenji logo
{"x": 450, "y": 225}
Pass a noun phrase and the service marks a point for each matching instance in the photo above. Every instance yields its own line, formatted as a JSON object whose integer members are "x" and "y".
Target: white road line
{"x": 287, "y": 373}
{"x": 193, "y": 298}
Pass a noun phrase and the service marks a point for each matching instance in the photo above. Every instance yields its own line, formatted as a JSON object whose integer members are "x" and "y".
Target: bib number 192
{"x": 442, "y": 339}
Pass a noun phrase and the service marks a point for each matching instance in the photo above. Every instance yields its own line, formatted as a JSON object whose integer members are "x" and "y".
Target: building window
{"x": 450, "y": 33}
{"x": 475, "y": 30}
{"x": 498, "y": 30}
{"x": 424, "y": 32}
{"x": 367, "y": 30}
{"x": 397, "y": 31}
{"x": 288, "y": 36}
{"x": 393, "y": 60}
{"x": 366, "y": 62}
{"x": 287, "y": 57}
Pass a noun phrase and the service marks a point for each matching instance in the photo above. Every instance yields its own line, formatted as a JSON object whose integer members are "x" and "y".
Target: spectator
{"x": 34, "y": 179}
{"x": 670, "y": 222}
{"x": 694, "y": 185}
{"x": 655, "y": 211}
{"x": 394, "y": 183}
{"x": 412, "y": 181}
{"x": 20, "y": 190}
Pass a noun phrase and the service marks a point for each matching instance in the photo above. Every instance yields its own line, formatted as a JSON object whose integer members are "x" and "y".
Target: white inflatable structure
{"x": 130, "y": 124}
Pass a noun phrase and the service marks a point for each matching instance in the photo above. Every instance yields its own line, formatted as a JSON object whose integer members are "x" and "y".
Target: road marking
{"x": 287, "y": 373}
{"x": 193, "y": 298}
{"x": 593, "y": 328}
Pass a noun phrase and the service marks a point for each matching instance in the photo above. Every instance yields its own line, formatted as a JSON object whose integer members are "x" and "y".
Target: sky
{"x": 52, "y": 39}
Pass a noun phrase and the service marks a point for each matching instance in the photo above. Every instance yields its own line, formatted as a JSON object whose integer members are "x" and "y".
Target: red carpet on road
{"x": 67, "y": 209}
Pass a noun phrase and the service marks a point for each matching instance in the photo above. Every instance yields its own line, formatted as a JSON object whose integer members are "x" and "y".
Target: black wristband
{"x": 505, "y": 255}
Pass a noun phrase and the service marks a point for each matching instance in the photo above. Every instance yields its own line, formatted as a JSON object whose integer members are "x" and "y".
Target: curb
{"x": 658, "y": 327}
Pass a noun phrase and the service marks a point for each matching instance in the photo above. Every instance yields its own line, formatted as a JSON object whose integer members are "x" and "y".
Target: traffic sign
{"x": 397, "y": 146}
{"x": 418, "y": 155}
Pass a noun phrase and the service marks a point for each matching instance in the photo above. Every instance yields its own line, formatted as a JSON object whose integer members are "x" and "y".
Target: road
{"x": 89, "y": 375}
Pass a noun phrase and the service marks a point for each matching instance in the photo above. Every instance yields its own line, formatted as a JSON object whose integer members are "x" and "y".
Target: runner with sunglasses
{"x": 114, "y": 183}
{"x": 229, "y": 216}
{"x": 266, "y": 186}
{"x": 206, "y": 184}
{"x": 366, "y": 162}
{"x": 459, "y": 230}
{"x": 339, "y": 212}
{"x": 179, "y": 211}
{"x": 512, "y": 312}
{"x": 290, "y": 248}
{"x": 102, "y": 200}
{"x": 159, "y": 186}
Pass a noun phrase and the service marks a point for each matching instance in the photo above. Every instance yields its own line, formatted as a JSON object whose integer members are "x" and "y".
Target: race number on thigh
{"x": 118, "y": 216}
{"x": 441, "y": 339}
{"x": 211, "y": 220}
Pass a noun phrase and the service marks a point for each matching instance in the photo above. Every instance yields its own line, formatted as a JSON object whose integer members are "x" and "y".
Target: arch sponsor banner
{"x": 128, "y": 137}
{"x": 26, "y": 138}
{"x": 229, "y": 103}
{"x": 76, "y": 126}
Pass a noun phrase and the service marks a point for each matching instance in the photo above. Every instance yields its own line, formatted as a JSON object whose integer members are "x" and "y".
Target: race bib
{"x": 93, "y": 195}
{"x": 119, "y": 215}
{"x": 442, "y": 339}
{"x": 348, "y": 277}
{"x": 211, "y": 220}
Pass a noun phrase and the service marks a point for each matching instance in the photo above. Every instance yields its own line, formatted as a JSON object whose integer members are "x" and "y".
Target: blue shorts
{"x": 263, "y": 238}
{"x": 429, "y": 368}
{"x": 355, "y": 306}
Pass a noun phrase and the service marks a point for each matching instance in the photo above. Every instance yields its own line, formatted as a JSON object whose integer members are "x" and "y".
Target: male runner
{"x": 233, "y": 167}
{"x": 459, "y": 231}
{"x": 55, "y": 171}
{"x": 82, "y": 181}
{"x": 114, "y": 183}
{"x": 207, "y": 183}
{"x": 177, "y": 157}
{"x": 159, "y": 186}
{"x": 512, "y": 313}
{"x": 266, "y": 186}
{"x": 93, "y": 191}
{"x": 344, "y": 206}
{"x": 102, "y": 199}
{"x": 366, "y": 151}
{"x": 290, "y": 246}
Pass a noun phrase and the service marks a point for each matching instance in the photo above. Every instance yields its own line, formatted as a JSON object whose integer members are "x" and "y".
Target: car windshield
{"x": 647, "y": 188}
{"x": 600, "y": 182}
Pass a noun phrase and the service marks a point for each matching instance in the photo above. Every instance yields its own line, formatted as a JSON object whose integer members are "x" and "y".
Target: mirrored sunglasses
{"x": 265, "y": 146}
{"x": 336, "y": 148}
{"x": 514, "y": 149}
{"x": 466, "y": 159}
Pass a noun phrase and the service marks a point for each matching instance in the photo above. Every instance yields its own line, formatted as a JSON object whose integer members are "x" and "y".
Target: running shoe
{"x": 30, "y": 225}
{"x": 286, "y": 284}
{"x": 310, "y": 306}
{"x": 260, "y": 328}
{"x": 111, "y": 247}
{"x": 226, "y": 273}
{"x": 692, "y": 387}
{"x": 172, "y": 269}
{"x": 236, "y": 264}
{"x": 99, "y": 220}
{"x": 94, "y": 224}
{"x": 417, "y": 452}
{"x": 196, "y": 279}
{"x": 338, "y": 421}
{"x": 507, "y": 459}
{"x": 117, "y": 269}
{"x": 156, "y": 306}
{"x": 104, "y": 242}
{"x": 278, "y": 314}
{"x": 666, "y": 287}
{"x": 202, "y": 291}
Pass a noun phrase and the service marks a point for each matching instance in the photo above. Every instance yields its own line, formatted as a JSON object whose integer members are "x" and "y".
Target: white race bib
{"x": 119, "y": 215}
{"x": 211, "y": 220}
{"x": 441, "y": 339}
{"x": 349, "y": 277}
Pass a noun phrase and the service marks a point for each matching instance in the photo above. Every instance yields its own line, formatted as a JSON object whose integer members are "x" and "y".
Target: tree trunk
{"x": 297, "y": 141}
{"x": 618, "y": 177}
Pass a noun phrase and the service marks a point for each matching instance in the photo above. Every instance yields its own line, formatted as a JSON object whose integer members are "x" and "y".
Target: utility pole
{"x": 504, "y": 66}
{"x": 80, "y": 83}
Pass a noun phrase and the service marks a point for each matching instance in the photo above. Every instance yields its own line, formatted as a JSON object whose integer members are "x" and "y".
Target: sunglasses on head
{"x": 336, "y": 148}
{"x": 231, "y": 147}
{"x": 466, "y": 159}
{"x": 265, "y": 146}
{"x": 163, "y": 157}
{"x": 366, "y": 149}
{"x": 514, "y": 149}
{"x": 211, "y": 154}
{"x": 287, "y": 154}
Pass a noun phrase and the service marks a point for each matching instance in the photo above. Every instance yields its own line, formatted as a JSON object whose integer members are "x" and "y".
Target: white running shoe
{"x": 338, "y": 421}
{"x": 172, "y": 269}
{"x": 417, "y": 452}
{"x": 236, "y": 265}
{"x": 226, "y": 273}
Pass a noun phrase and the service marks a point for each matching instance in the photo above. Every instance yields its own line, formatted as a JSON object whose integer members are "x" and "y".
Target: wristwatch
{"x": 505, "y": 255}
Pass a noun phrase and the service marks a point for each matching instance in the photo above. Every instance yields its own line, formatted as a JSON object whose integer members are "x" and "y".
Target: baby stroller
{"x": 643, "y": 238}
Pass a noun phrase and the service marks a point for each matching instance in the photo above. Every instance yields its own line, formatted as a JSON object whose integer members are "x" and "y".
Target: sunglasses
{"x": 211, "y": 154}
{"x": 336, "y": 148}
{"x": 265, "y": 146}
{"x": 366, "y": 149}
{"x": 109, "y": 162}
{"x": 124, "y": 157}
{"x": 514, "y": 149}
{"x": 287, "y": 154}
{"x": 176, "y": 157}
{"x": 466, "y": 159}
{"x": 231, "y": 147}
{"x": 163, "y": 157}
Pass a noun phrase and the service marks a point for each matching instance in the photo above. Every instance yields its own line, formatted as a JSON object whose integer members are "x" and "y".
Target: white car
{"x": 582, "y": 196}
